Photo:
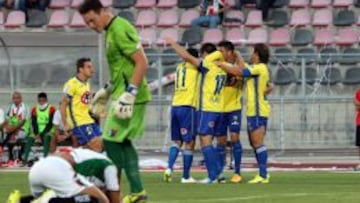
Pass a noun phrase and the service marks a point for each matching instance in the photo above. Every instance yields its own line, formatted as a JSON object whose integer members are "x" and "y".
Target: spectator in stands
{"x": 357, "y": 106}
{"x": 263, "y": 5}
{"x": 211, "y": 13}
{"x": 42, "y": 126}
{"x": 17, "y": 126}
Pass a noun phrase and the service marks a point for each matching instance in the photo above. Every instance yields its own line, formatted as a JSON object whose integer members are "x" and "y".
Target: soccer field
{"x": 297, "y": 187}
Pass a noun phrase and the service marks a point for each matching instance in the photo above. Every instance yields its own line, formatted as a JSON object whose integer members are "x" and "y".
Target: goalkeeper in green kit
{"x": 127, "y": 90}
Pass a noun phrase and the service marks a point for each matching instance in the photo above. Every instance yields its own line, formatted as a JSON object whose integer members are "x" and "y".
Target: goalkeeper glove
{"x": 99, "y": 101}
{"x": 125, "y": 103}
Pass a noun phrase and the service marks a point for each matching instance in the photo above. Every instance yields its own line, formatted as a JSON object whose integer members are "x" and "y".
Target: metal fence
{"x": 304, "y": 116}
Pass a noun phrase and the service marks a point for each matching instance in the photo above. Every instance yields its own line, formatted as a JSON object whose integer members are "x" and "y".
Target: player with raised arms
{"x": 258, "y": 108}
{"x": 183, "y": 110}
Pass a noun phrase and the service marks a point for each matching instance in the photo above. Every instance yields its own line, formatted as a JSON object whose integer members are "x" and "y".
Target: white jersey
{"x": 97, "y": 167}
{"x": 21, "y": 111}
{"x": 55, "y": 173}
{"x": 57, "y": 120}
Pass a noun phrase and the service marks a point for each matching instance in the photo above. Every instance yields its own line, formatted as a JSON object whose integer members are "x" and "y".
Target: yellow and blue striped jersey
{"x": 256, "y": 84}
{"x": 212, "y": 83}
{"x": 80, "y": 96}
{"x": 185, "y": 85}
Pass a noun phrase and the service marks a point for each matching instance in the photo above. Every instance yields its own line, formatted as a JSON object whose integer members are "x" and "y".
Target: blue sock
{"x": 187, "y": 159}
{"x": 237, "y": 154}
{"x": 173, "y": 153}
{"x": 210, "y": 161}
{"x": 262, "y": 156}
{"x": 220, "y": 150}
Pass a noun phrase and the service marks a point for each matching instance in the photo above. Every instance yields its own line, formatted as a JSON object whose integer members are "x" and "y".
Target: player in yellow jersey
{"x": 74, "y": 107}
{"x": 258, "y": 108}
{"x": 231, "y": 115}
{"x": 183, "y": 117}
{"x": 210, "y": 100}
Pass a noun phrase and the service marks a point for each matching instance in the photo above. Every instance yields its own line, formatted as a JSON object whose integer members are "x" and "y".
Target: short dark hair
{"x": 207, "y": 48}
{"x": 227, "y": 45}
{"x": 42, "y": 95}
{"x": 81, "y": 62}
{"x": 263, "y": 52}
{"x": 193, "y": 52}
{"x": 90, "y": 5}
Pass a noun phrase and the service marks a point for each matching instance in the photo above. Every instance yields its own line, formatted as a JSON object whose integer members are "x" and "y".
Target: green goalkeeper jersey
{"x": 121, "y": 42}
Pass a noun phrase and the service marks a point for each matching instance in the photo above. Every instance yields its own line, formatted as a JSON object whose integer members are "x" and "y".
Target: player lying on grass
{"x": 183, "y": 117}
{"x": 258, "y": 108}
{"x": 74, "y": 107}
{"x": 54, "y": 180}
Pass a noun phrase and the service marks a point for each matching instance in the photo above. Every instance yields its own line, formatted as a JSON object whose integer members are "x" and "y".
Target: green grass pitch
{"x": 285, "y": 187}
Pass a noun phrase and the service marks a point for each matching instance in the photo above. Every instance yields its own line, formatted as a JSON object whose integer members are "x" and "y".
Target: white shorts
{"x": 56, "y": 174}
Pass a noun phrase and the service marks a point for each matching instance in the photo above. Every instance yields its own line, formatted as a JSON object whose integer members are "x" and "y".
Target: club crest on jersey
{"x": 183, "y": 131}
{"x": 211, "y": 124}
{"x": 86, "y": 97}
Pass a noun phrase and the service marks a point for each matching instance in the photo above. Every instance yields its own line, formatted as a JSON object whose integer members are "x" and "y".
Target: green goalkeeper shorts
{"x": 117, "y": 130}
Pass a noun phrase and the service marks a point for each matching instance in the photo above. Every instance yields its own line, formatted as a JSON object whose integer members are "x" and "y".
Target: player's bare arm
{"x": 63, "y": 106}
{"x": 269, "y": 88}
{"x": 181, "y": 51}
{"x": 141, "y": 66}
{"x": 357, "y": 104}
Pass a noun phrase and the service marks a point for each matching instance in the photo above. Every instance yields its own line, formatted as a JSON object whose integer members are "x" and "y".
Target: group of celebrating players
{"x": 208, "y": 102}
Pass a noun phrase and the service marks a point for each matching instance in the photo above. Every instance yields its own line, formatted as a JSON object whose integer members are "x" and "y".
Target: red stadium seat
{"x": 323, "y": 18}
{"x": 59, "y": 4}
{"x": 254, "y": 19}
{"x": 258, "y": 35}
{"x": 167, "y": 3}
{"x": 236, "y": 36}
{"x": 342, "y": 3}
{"x": 187, "y": 16}
{"x": 213, "y": 36}
{"x": 168, "y": 18}
{"x": 324, "y": 37}
{"x": 320, "y": 3}
{"x": 298, "y": 3}
{"x": 347, "y": 37}
{"x": 76, "y": 3}
{"x": 144, "y": 4}
{"x": 15, "y": 19}
{"x": 279, "y": 37}
{"x": 300, "y": 18}
{"x": 233, "y": 18}
{"x": 146, "y": 18}
{"x": 77, "y": 21}
{"x": 170, "y": 32}
{"x": 147, "y": 36}
{"x": 58, "y": 19}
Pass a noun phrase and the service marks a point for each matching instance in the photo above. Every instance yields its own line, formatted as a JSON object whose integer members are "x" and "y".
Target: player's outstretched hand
{"x": 100, "y": 99}
{"x": 169, "y": 40}
{"x": 125, "y": 103}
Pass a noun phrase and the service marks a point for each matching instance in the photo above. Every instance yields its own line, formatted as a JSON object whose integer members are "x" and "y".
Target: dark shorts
{"x": 85, "y": 133}
{"x": 357, "y": 141}
{"x": 255, "y": 122}
{"x": 231, "y": 121}
{"x": 183, "y": 123}
{"x": 209, "y": 123}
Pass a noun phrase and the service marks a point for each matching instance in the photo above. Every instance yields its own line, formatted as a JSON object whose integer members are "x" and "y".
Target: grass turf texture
{"x": 295, "y": 187}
